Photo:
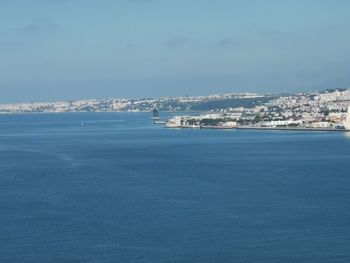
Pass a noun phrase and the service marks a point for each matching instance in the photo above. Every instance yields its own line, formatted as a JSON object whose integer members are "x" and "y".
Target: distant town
{"x": 326, "y": 109}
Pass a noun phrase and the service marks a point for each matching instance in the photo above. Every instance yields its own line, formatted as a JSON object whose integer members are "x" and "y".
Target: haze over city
{"x": 75, "y": 49}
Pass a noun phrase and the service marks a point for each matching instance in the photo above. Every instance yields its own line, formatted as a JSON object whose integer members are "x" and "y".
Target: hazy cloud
{"x": 140, "y": 1}
{"x": 129, "y": 45}
{"x": 270, "y": 33}
{"x": 41, "y": 24}
{"x": 227, "y": 42}
{"x": 176, "y": 41}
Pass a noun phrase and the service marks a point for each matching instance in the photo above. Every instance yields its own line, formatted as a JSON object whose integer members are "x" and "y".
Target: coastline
{"x": 293, "y": 129}
{"x": 261, "y": 128}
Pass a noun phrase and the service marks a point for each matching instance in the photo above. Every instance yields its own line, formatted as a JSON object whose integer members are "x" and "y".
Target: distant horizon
{"x": 175, "y": 96}
{"x": 174, "y": 93}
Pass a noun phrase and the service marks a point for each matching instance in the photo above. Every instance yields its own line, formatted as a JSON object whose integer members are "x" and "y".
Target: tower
{"x": 155, "y": 114}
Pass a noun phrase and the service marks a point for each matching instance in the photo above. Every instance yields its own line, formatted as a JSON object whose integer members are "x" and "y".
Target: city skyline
{"x": 73, "y": 49}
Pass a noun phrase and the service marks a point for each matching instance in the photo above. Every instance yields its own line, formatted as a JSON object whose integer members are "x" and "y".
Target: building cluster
{"x": 325, "y": 109}
{"x": 320, "y": 110}
{"x": 217, "y": 120}
{"x": 182, "y": 103}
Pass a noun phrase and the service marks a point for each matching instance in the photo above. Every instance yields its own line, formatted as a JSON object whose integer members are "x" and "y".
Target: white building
{"x": 281, "y": 123}
{"x": 175, "y": 122}
{"x": 321, "y": 124}
{"x": 229, "y": 124}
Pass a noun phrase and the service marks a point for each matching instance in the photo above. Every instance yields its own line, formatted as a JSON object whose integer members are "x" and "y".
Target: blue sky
{"x": 68, "y": 49}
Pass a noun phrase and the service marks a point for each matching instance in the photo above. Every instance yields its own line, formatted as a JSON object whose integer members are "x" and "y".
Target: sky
{"x": 77, "y": 49}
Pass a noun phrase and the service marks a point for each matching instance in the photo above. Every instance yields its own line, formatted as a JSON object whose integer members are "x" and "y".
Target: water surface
{"x": 119, "y": 189}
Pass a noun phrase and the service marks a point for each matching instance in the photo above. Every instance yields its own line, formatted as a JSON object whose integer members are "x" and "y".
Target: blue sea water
{"x": 120, "y": 189}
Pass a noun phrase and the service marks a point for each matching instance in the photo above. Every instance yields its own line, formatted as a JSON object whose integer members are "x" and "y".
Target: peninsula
{"x": 327, "y": 109}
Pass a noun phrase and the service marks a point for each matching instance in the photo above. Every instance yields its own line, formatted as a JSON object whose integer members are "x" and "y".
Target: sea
{"x": 114, "y": 187}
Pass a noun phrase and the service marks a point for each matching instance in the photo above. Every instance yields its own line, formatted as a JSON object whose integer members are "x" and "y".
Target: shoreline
{"x": 293, "y": 129}
{"x": 262, "y": 128}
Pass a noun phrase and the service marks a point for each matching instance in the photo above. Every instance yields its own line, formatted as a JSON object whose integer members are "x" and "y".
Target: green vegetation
{"x": 257, "y": 118}
{"x": 211, "y": 122}
{"x": 192, "y": 121}
{"x": 215, "y": 122}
